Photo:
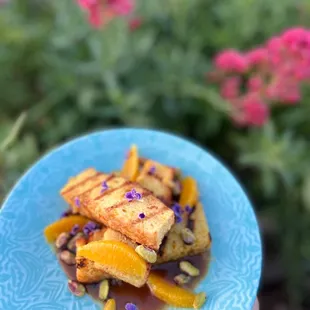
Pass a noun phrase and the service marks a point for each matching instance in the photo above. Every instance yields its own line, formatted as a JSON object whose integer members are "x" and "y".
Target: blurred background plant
{"x": 174, "y": 65}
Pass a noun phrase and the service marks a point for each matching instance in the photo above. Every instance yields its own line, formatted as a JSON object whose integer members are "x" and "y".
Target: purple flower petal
{"x": 77, "y": 202}
{"x": 178, "y": 219}
{"x": 104, "y": 186}
{"x": 131, "y": 195}
{"x": 75, "y": 229}
{"x": 177, "y": 209}
{"x": 188, "y": 209}
{"x": 142, "y": 215}
{"x": 138, "y": 196}
{"x": 130, "y": 306}
{"x": 152, "y": 170}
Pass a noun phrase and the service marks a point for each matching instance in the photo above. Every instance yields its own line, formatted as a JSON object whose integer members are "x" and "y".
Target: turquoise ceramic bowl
{"x": 30, "y": 278}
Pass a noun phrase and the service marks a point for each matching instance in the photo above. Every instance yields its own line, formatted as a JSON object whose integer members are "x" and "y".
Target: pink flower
{"x": 101, "y": 12}
{"x": 121, "y": 7}
{"x": 231, "y": 61}
{"x": 255, "y": 110}
{"x": 257, "y": 56}
{"x": 135, "y": 23}
{"x": 230, "y": 88}
{"x": 255, "y": 83}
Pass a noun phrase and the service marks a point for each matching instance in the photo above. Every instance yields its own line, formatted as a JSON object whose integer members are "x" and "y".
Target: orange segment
{"x": 118, "y": 259}
{"x": 130, "y": 168}
{"x": 65, "y": 224}
{"x": 169, "y": 293}
{"x": 189, "y": 193}
{"x": 110, "y": 305}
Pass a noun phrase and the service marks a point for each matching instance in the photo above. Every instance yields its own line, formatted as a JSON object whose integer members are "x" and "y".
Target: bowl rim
{"x": 182, "y": 139}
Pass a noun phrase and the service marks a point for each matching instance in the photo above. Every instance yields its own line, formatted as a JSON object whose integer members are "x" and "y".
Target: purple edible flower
{"x": 77, "y": 202}
{"x": 104, "y": 186}
{"x": 142, "y": 215}
{"x": 177, "y": 212}
{"x": 89, "y": 227}
{"x": 75, "y": 229}
{"x": 130, "y": 306}
{"x": 132, "y": 195}
{"x": 152, "y": 170}
{"x": 178, "y": 219}
{"x": 177, "y": 209}
{"x": 188, "y": 209}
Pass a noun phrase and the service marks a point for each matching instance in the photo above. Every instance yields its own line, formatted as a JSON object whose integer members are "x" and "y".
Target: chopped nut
{"x": 181, "y": 279}
{"x": 147, "y": 254}
{"x": 62, "y": 240}
{"x": 67, "y": 257}
{"x": 76, "y": 288}
{"x": 188, "y": 236}
{"x": 188, "y": 268}
{"x": 104, "y": 289}
{"x": 176, "y": 189}
{"x": 200, "y": 300}
{"x": 80, "y": 242}
{"x": 72, "y": 243}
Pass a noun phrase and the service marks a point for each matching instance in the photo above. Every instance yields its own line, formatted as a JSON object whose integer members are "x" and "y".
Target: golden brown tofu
{"x": 109, "y": 206}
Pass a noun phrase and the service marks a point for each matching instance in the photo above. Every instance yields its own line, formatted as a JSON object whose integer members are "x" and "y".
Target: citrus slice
{"x": 65, "y": 224}
{"x": 130, "y": 168}
{"x": 110, "y": 305}
{"x": 117, "y": 259}
{"x": 169, "y": 293}
{"x": 189, "y": 193}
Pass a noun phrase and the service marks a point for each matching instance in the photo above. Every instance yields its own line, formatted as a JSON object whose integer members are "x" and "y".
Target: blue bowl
{"x": 30, "y": 278}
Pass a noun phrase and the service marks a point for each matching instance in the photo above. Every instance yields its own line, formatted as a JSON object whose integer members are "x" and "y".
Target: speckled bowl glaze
{"x": 30, "y": 278}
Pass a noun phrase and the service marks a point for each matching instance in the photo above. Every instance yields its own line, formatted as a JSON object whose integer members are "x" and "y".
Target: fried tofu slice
{"x": 110, "y": 207}
{"x": 157, "y": 178}
{"x": 173, "y": 248}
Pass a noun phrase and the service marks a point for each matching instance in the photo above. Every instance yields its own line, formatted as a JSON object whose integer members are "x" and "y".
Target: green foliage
{"x": 70, "y": 79}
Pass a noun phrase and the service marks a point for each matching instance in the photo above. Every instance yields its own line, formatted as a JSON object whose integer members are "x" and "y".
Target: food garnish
{"x": 67, "y": 257}
{"x": 188, "y": 268}
{"x": 133, "y": 195}
{"x": 130, "y": 306}
{"x": 76, "y": 288}
{"x": 65, "y": 224}
{"x": 110, "y": 305}
{"x": 147, "y": 254}
{"x": 122, "y": 261}
{"x": 189, "y": 193}
{"x": 103, "y": 289}
{"x": 62, "y": 240}
{"x": 169, "y": 293}
{"x": 188, "y": 236}
{"x": 181, "y": 279}
{"x": 104, "y": 187}
{"x": 131, "y": 166}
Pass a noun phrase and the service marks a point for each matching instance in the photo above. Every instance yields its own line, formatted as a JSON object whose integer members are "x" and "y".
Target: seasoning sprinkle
{"x": 131, "y": 306}
{"x": 104, "y": 186}
{"x": 75, "y": 230}
{"x": 142, "y": 215}
{"x": 77, "y": 202}
{"x": 133, "y": 195}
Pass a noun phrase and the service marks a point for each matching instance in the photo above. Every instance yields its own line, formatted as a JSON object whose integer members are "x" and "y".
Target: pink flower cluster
{"x": 272, "y": 73}
{"x": 100, "y": 12}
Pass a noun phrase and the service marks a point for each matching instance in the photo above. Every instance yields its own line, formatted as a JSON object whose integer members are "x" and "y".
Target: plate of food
{"x": 128, "y": 219}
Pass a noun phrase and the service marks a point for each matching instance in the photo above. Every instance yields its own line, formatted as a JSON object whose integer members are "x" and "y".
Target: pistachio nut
{"x": 147, "y": 254}
{"x": 104, "y": 289}
{"x": 67, "y": 257}
{"x": 72, "y": 243}
{"x": 62, "y": 240}
{"x": 181, "y": 279}
{"x": 188, "y": 268}
{"x": 188, "y": 236}
{"x": 76, "y": 288}
{"x": 199, "y": 301}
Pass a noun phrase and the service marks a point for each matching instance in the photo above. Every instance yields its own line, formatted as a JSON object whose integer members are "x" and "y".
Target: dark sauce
{"x": 141, "y": 297}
